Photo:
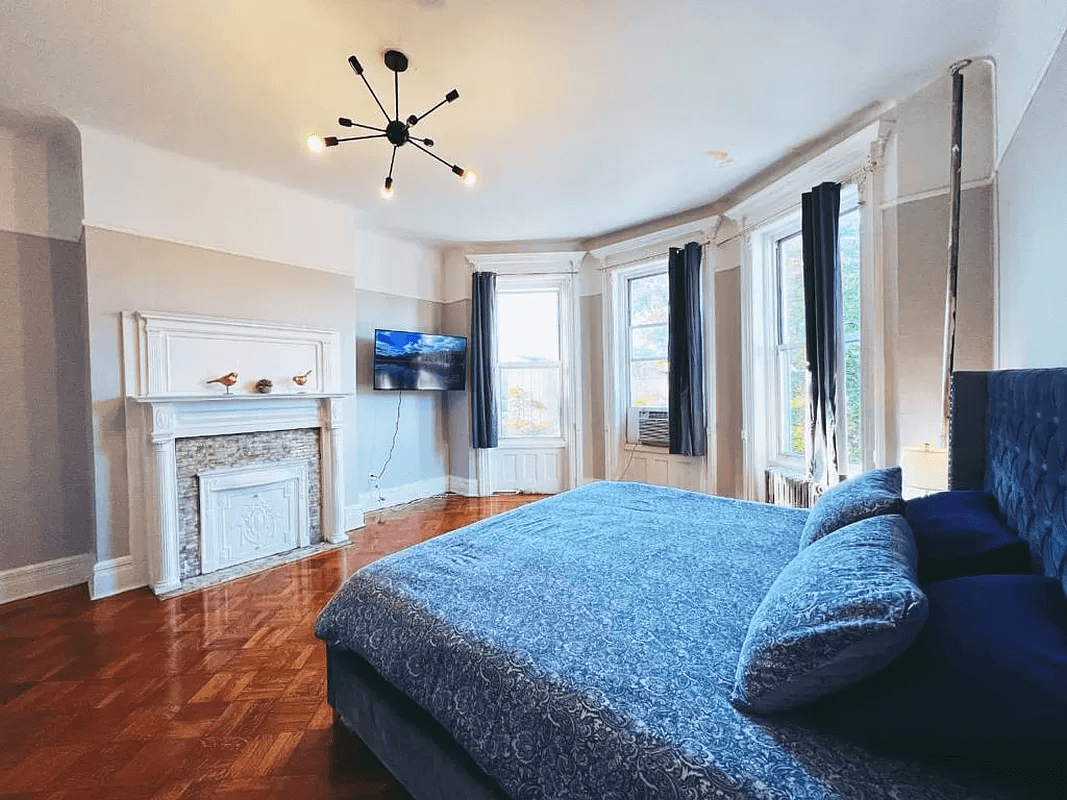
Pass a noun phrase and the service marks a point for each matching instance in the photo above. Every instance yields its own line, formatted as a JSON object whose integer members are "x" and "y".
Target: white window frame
{"x": 657, "y": 267}
{"x": 781, "y": 456}
{"x": 508, "y": 284}
{"x": 760, "y": 367}
{"x": 618, "y": 261}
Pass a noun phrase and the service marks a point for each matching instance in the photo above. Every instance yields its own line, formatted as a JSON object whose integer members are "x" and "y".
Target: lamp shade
{"x": 925, "y": 469}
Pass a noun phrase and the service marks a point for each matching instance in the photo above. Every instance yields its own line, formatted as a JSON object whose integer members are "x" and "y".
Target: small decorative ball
{"x": 264, "y": 386}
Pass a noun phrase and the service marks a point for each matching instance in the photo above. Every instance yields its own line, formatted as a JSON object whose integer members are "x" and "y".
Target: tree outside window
{"x": 791, "y": 349}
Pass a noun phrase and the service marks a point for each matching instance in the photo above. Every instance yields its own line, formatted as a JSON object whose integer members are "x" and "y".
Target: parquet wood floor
{"x": 216, "y": 694}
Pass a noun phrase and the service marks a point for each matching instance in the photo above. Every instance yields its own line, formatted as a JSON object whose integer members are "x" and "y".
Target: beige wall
{"x": 922, "y": 263}
{"x": 591, "y": 343}
{"x": 728, "y": 414}
{"x": 456, "y": 320}
{"x": 915, "y": 252}
{"x": 45, "y": 475}
{"x": 129, "y": 273}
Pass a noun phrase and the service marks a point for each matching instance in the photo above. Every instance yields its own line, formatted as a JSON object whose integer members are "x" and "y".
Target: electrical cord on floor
{"x": 377, "y": 479}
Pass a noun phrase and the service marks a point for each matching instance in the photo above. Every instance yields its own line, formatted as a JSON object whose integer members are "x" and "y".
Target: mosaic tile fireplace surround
{"x": 217, "y": 479}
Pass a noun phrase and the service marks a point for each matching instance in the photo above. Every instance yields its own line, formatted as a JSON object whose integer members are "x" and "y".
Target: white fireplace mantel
{"x": 154, "y": 420}
{"x": 160, "y": 421}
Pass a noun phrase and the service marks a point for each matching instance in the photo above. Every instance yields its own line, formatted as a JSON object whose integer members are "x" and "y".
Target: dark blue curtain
{"x": 820, "y": 209}
{"x": 484, "y": 422}
{"x": 685, "y": 346}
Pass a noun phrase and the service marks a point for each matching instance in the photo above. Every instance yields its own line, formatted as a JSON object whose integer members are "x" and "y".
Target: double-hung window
{"x": 530, "y": 367}
{"x": 791, "y": 395}
{"x": 648, "y": 314}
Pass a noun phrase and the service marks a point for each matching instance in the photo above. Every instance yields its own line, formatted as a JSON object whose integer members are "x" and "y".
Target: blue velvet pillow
{"x": 959, "y": 533}
{"x": 841, "y": 610}
{"x": 868, "y": 495}
{"x": 987, "y": 674}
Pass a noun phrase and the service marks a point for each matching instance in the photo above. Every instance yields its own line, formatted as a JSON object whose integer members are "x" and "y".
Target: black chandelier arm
{"x": 345, "y": 122}
{"x": 340, "y": 139}
{"x": 452, "y": 167}
{"x": 391, "y": 162}
{"x": 413, "y": 120}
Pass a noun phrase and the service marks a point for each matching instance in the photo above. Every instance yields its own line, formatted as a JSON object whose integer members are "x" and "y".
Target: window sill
{"x": 531, "y": 442}
{"x": 637, "y": 447}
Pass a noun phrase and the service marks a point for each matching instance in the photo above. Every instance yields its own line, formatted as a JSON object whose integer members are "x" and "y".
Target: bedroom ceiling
{"x": 582, "y": 117}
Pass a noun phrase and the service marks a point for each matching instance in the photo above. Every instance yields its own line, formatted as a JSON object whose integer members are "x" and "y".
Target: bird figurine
{"x": 227, "y": 380}
{"x": 300, "y": 380}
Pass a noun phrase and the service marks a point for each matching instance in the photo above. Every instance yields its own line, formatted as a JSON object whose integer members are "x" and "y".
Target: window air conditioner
{"x": 648, "y": 426}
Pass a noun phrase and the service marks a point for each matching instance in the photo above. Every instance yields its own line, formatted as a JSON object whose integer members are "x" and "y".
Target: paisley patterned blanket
{"x": 584, "y": 646}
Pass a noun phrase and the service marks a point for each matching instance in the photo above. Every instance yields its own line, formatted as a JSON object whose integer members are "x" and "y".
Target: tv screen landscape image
{"x": 419, "y": 361}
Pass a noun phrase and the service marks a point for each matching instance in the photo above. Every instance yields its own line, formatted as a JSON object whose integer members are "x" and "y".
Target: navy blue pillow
{"x": 959, "y": 533}
{"x": 841, "y": 610}
{"x": 870, "y": 494}
{"x": 987, "y": 675}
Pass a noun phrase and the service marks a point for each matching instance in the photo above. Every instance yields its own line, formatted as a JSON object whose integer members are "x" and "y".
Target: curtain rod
{"x": 782, "y": 212}
{"x": 703, "y": 241}
{"x": 527, "y": 274}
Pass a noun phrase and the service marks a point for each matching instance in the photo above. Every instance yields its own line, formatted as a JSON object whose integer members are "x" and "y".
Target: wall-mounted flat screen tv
{"x": 419, "y": 361}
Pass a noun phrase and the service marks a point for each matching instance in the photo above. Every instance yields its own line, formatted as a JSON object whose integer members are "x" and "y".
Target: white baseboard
{"x": 464, "y": 486}
{"x": 113, "y": 577}
{"x": 44, "y": 577}
{"x": 354, "y": 518}
{"x": 398, "y": 495}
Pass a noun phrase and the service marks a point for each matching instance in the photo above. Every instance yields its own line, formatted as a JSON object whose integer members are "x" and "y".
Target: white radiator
{"x": 785, "y": 488}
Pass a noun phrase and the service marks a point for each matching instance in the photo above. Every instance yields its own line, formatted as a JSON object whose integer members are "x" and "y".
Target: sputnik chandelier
{"x": 397, "y": 132}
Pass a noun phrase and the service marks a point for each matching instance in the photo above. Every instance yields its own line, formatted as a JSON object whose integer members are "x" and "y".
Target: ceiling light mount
{"x": 396, "y": 131}
{"x": 396, "y": 61}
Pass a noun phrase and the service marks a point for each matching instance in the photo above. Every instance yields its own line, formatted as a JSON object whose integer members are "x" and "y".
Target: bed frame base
{"x": 409, "y": 742}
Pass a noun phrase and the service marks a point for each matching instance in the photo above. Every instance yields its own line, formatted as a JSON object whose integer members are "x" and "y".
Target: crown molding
{"x": 655, "y": 243}
{"x": 563, "y": 261}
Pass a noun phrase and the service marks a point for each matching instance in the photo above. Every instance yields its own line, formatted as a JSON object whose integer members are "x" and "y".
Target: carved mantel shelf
{"x": 154, "y": 420}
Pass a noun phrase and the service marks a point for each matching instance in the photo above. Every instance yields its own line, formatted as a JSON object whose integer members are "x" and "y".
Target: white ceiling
{"x": 582, "y": 116}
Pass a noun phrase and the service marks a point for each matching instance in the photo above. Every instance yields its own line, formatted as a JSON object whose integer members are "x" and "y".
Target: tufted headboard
{"x": 1008, "y": 434}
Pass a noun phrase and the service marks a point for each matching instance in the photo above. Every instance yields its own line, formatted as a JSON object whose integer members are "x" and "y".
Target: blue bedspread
{"x": 584, "y": 646}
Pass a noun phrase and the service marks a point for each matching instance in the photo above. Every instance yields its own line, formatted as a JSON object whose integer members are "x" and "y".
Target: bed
{"x": 588, "y": 645}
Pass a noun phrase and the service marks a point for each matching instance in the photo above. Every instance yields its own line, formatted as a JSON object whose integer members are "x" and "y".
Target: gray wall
{"x": 45, "y": 463}
{"x": 728, "y": 409}
{"x": 1032, "y": 209}
{"x": 456, "y": 320}
{"x": 421, "y": 451}
{"x": 922, "y": 261}
{"x": 128, "y": 273}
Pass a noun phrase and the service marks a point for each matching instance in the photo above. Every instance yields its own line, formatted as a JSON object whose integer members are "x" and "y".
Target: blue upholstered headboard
{"x": 1008, "y": 434}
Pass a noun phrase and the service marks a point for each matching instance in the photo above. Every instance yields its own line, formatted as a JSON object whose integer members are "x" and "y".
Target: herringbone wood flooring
{"x": 218, "y": 694}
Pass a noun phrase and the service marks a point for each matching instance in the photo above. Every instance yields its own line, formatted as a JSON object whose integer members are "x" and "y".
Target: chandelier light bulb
{"x": 387, "y": 190}
{"x": 315, "y": 143}
{"x": 470, "y": 177}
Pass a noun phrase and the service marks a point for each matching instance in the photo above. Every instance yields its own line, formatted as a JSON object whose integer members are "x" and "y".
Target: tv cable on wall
{"x": 377, "y": 479}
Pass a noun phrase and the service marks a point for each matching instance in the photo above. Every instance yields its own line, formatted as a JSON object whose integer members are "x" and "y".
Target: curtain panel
{"x": 484, "y": 416}
{"x": 820, "y": 209}
{"x": 685, "y": 347}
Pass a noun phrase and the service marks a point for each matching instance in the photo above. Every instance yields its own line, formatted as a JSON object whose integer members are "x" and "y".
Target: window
{"x": 528, "y": 355}
{"x": 791, "y": 350}
{"x": 648, "y": 306}
{"x": 791, "y": 398}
